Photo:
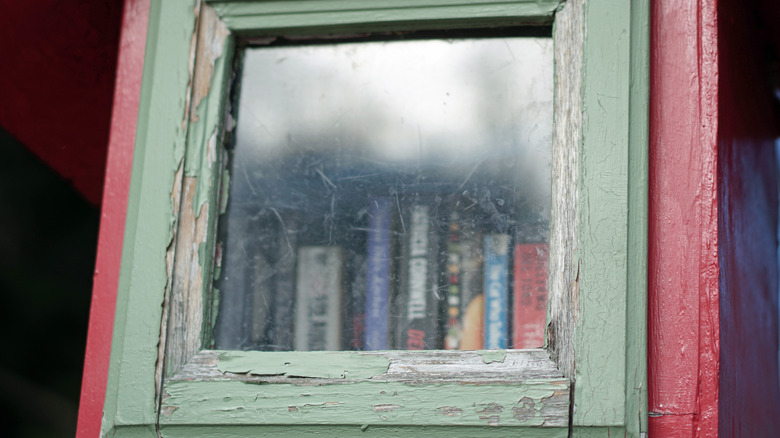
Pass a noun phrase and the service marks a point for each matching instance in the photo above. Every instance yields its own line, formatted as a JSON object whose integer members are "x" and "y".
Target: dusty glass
{"x": 388, "y": 195}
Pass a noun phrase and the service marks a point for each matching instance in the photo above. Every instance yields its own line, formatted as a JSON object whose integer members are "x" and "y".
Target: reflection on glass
{"x": 389, "y": 195}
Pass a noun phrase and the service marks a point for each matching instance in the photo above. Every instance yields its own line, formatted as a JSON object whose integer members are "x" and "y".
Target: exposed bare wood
{"x": 169, "y": 260}
{"x": 186, "y": 304}
{"x": 404, "y": 366}
{"x": 564, "y": 260}
{"x": 186, "y": 307}
{"x": 211, "y": 36}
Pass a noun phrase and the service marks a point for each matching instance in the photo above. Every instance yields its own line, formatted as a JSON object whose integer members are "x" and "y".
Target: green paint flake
{"x": 490, "y": 356}
{"x": 214, "y": 307}
{"x": 223, "y": 197}
{"x": 326, "y": 365}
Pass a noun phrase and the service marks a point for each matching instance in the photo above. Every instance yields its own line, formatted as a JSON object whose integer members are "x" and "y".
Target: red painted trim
{"x": 683, "y": 328}
{"x": 116, "y": 187}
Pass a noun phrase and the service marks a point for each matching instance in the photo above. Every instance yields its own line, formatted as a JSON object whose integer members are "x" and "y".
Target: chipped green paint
{"x": 610, "y": 336}
{"x": 215, "y": 295}
{"x": 130, "y": 396}
{"x": 638, "y": 183}
{"x": 358, "y": 15}
{"x": 225, "y": 190}
{"x": 353, "y": 431}
{"x": 367, "y": 402}
{"x": 325, "y": 365}
{"x": 490, "y": 356}
{"x": 205, "y": 123}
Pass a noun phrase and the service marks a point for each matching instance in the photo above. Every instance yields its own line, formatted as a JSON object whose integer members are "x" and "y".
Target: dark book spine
{"x": 530, "y": 295}
{"x": 496, "y": 290}
{"x": 281, "y": 332}
{"x": 377, "y": 303}
{"x": 260, "y": 297}
{"x": 454, "y": 324}
{"x": 319, "y": 295}
{"x": 356, "y": 319}
{"x": 419, "y": 297}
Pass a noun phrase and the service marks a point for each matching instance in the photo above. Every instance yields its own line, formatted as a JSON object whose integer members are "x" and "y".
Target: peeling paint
{"x": 187, "y": 304}
{"x": 225, "y": 190}
{"x": 450, "y": 411}
{"x": 491, "y": 356}
{"x": 205, "y": 112}
{"x": 168, "y": 410}
{"x": 526, "y": 409}
{"x": 369, "y": 402}
{"x": 328, "y": 365}
{"x": 210, "y": 45}
{"x": 491, "y": 408}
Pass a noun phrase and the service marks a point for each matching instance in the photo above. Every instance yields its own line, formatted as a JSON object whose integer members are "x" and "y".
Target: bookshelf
{"x": 404, "y": 162}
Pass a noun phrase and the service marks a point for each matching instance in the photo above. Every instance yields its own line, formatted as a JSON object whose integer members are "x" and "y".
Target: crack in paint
{"x": 386, "y": 408}
{"x": 449, "y": 411}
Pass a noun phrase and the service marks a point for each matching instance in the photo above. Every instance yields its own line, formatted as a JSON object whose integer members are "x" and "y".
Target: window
{"x": 596, "y": 329}
{"x": 369, "y": 176}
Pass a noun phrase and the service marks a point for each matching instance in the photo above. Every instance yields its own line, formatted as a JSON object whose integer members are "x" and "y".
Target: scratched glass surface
{"x": 388, "y": 195}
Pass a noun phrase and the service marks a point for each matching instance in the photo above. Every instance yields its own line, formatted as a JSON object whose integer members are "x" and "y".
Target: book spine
{"x": 419, "y": 299}
{"x": 260, "y": 297}
{"x": 319, "y": 294}
{"x": 281, "y": 333}
{"x": 530, "y": 295}
{"x": 377, "y": 302}
{"x": 471, "y": 284}
{"x": 496, "y": 290}
{"x": 356, "y": 326}
{"x": 453, "y": 329}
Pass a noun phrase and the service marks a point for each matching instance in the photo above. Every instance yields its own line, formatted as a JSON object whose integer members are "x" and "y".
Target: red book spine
{"x": 530, "y": 295}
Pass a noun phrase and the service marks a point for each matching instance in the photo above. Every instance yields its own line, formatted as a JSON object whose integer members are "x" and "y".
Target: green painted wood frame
{"x": 176, "y": 158}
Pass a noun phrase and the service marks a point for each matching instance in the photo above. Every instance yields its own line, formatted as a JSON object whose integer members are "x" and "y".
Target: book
{"x": 318, "y": 298}
{"x": 529, "y": 307}
{"x": 471, "y": 284}
{"x": 419, "y": 299}
{"x": 260, "y": 295}
{"x": 453, "y": 322}
{"x": 356, "y": 311}
{"x": 378, "y": 271}
{"x": 496, "y": 290}
{"x": 281, "y": 331}
{"x": 473, "y": 337}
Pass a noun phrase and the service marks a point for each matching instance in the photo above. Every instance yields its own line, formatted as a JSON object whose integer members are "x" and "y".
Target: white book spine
{"x": 319, "y": 295}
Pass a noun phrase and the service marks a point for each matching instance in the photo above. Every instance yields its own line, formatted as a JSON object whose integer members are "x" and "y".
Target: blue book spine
{"x": 496, "y": 290}
{"x": 378, "y": 275}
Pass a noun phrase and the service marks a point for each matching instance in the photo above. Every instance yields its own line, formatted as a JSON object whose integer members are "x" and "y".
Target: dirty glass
{"x": 388, "y": 195}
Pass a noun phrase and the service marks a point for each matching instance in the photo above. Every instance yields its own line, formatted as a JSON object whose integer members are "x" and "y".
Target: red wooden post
{"x": 683, "y": 328}
{"x": 115, "y": 192}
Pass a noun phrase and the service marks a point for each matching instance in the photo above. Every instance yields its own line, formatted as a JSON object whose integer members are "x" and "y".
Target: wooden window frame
{"x": 597, "y": 317}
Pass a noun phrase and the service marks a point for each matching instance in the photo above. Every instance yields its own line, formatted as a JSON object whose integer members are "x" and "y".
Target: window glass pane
{"x": 389, "y": 195}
